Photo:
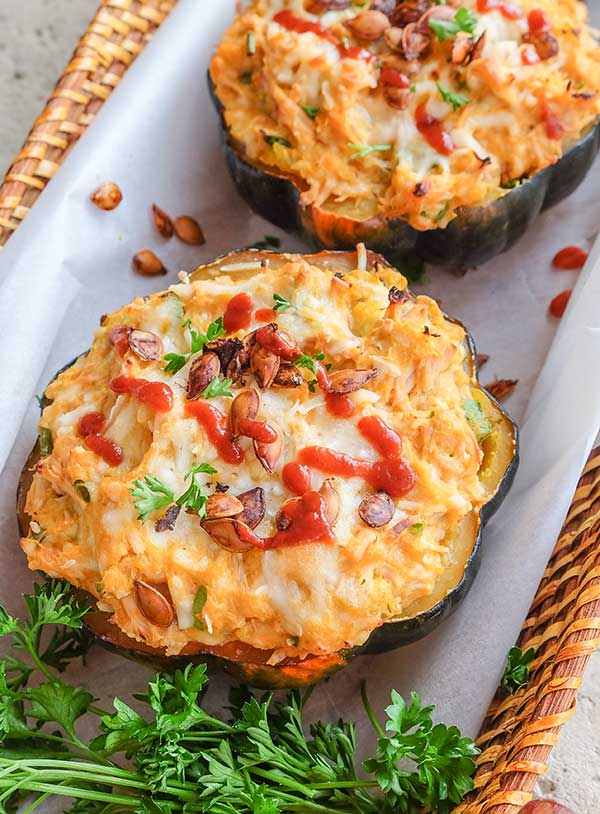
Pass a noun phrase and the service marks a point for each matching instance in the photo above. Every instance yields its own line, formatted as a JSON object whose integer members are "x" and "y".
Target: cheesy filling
{"x": 295, "y": 600}
{"x": 296, "y": 104}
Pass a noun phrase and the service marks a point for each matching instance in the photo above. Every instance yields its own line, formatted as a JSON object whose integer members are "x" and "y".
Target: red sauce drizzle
{"x": 529, "y": 55}
{"x": 339, "y": 405}
{"x": 432, "y": 131}
{"x": 90, "y": 424}
{"x": 156, "y": 395}
{"x": 392, "y": 473}
{"x": 394, "y": 77}
{"x": 323, "y": 377}
{"x": 538, "y": 21}
{"x": 296, "y": 478}
{"x": 569, "y": 258}
{"x": 119, "y": 338}
{"x": 308, "y": 523}
{"x": 108, "y": 450}
{"x": 275, "y": 341}
{"x": 554, "y": 129}
{"x": 238, "y": 313}
{"x": 259, "y": 430}
{"x": 265, "y": 315}
{"x": 214, "y": 423}
{"x": 292, "y": 22}
{"x": 506, "y": 9}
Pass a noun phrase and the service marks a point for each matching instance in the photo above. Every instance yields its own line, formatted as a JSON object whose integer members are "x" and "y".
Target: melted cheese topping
{"x": 312, "y": 598}
{"x": 500, "y": 135}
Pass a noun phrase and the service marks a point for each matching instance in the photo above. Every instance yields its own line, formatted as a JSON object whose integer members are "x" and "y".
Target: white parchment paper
{"x": 70, "y": 262}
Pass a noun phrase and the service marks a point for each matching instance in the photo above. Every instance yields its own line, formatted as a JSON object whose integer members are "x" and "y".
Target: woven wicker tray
{"x": 564, "y": 621}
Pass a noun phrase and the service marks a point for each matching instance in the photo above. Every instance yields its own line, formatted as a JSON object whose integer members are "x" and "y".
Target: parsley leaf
{"x": 281, "y": 304}
{"x": 312, "y": 111}
{"x": 482, "y": 426}
{"x": 59, "y": 703}
{"x": 308, "y": 361}
{"x": 517, "y": 670}
{"x": 45, "y": 441}
{"x": 194, "y": 498}
{"x": 363, "y": 150}
{"x": 151, "y": 494}
{"x": 271, "y": 139}
{"x": 175, "y": 361}
{"x": 217, "y": 387}
{"x": 464, "y": 20}
{"x": 454, "y": 99}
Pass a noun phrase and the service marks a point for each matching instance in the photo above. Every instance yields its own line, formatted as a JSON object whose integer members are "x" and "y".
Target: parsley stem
{"x": 76, "y": 793}
{"x": 369, "y": 710}
{"x": 283, "y": 781}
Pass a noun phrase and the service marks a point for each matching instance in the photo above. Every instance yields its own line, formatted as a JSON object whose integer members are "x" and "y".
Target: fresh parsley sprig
{"x": 175, "y": 361}
{"x": 517, "y": 670}
{"x": 194, "y": 498}
{"x": 172, "y": 756}
{"x": 309, "y": 362}
{"x": 280, "y": 303}
{"x": 152, "y": 494}
{"x": 464, "y": 20}
{"x": 218, "y": 387}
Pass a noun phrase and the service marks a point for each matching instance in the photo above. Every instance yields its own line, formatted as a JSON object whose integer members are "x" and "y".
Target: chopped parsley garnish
{"x": 246, "y": 77}
{"x": 417, "y": 527}
{"x": 311, "y": 111}
{"x": 280, "y": 303}
{"x": 271, "y": 139}
{"x": 217, "y": 387}
{"x": 197, "y": 606}
{"x": 175, "y": 361}
{"x": 194, "y": 498}
{"x": 464, "y": 20}
{"x": 517, "y": 670}
{"x": 363, "y": 150}
{"x": 151, "y": 494}
{"x": 482, "y": 426}
{"x": 309, "y": 362}
{"x": 454, "y": 99}
{"x": 45, "y": 440}
{"x": 82, "y": 490}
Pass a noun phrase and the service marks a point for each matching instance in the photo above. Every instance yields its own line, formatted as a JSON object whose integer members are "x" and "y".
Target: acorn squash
{"x": 498, "y": 462}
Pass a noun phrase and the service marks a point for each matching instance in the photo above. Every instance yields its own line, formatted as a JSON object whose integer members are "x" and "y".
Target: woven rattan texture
{"x": 564, "y": 622}
{"x": 115, "y": 37}
{"x": 564, "y": 627}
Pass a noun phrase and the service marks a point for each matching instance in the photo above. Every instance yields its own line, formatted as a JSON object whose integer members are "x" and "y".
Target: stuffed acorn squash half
{"x": 277, "y": 463}
{"x": 414, "y": 126}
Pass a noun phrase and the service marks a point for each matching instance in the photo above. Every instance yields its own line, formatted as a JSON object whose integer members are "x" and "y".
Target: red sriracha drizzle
{"x": 339, "y": 405}
{"x": 258, "y": 430}
{"x": 292, "y": 22}
{"x": 272, "y": 339}
{"x": 156, "y": 395}
{"x": 265, "y": 315}
{"x": 110, "y": 452}
{"x": 214, "y": 423}
{"x": 394, "y": 77}
{"x": 119, "y": 338}
{"x": 392, "y": 473}
{"x": 432, "y": 131}
{"x": 538, "y": 21}
{"x": 308, "y": 523}
{"x": 570, "y": 258}
{"x": 238, "y": 313}
{"x": 296, "y": 478}
{"x": 89, "y": 427}
{"x": 506, "y": 9}
{"x": 554, "y": 129}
